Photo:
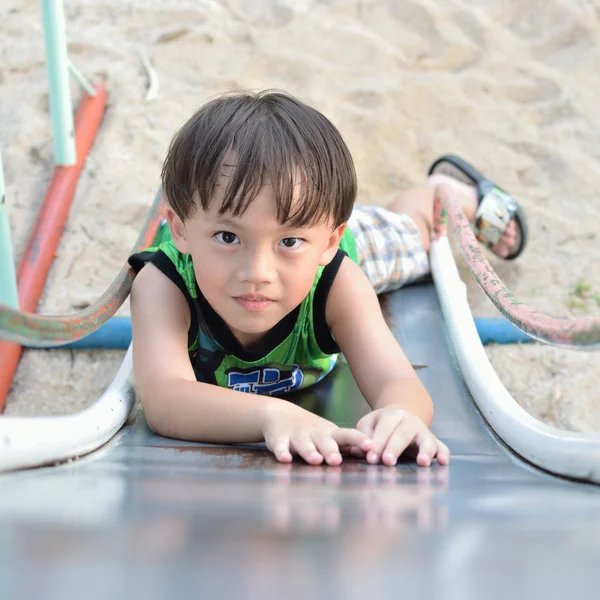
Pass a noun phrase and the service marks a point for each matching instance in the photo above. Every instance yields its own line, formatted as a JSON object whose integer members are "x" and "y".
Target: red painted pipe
{"x": 45, "y": 236}
{"x": 579, "y": 334}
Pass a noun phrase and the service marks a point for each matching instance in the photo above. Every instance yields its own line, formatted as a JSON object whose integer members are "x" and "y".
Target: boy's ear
{"x": 178, "y": 232}
{"x": 332, "y": 245}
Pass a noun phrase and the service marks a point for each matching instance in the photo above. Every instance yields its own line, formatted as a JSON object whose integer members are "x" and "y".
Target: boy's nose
{"x": 258, "y": 268}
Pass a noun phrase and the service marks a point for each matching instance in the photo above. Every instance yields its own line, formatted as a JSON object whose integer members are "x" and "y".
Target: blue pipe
{"x": 116, "y": 334}
{"x": 498, "y": 330}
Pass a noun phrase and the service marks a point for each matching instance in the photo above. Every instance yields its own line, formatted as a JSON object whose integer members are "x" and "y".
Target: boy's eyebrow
{"x": 229, "y": 221}
{"x": 238, "y": 223}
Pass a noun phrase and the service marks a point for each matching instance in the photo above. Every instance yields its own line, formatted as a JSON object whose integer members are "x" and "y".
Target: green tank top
{"x": 296, "y": 353}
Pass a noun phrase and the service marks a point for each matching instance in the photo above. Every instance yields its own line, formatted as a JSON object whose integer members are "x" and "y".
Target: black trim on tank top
{"x": 165, "y": 265}
{"x": 224, "y": 336}
{"x": 324, "y": 339}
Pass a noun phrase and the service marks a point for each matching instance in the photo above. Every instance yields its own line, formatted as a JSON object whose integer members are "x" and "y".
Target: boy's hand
{"x": 289, "y": 429}
{"x": 393, "y": 430}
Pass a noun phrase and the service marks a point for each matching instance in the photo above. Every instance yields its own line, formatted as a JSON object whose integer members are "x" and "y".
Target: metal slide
{"x": 150, "y": 517}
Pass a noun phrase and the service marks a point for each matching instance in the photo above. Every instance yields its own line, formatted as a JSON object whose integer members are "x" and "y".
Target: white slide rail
{"x": 37, "y": 441}
{"x": 570, "y": 454}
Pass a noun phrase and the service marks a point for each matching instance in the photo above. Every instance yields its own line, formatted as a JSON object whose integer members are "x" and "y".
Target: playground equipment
{"x": 116, "y": 334}
{"x": 72, "y": 142}
{"x": 30, "y": 442}
{"x": 564, "y": 453}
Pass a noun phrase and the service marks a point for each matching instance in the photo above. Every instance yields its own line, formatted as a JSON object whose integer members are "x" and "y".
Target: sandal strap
{"x": 494, "y": 213}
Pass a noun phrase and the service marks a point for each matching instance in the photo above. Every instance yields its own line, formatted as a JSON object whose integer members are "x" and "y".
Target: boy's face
{"x": 252, "y": 270}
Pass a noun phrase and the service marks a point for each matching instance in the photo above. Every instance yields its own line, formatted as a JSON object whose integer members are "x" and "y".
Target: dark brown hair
{"x": 275, "y": 139}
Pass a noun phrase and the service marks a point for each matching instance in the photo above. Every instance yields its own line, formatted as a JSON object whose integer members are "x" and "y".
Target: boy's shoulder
{"x": 174, "y": 265}
{"x": 153, "y": 294}
{"x": 151, "y": 280}
{"x": 348, "y": 290}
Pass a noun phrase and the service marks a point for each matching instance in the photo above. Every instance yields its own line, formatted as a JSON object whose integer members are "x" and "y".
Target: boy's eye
{"x": 291, "y": 242}
{"x": 226, "y": 237}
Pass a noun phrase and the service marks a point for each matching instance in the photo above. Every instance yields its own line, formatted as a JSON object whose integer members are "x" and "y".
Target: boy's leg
{"x": 417, "y": 203}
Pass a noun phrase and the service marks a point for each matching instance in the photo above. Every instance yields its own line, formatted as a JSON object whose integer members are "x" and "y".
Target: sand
{"x": 511, "y": 86}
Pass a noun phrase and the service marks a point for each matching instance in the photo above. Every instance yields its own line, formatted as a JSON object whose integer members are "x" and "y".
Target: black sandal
{"x": 496, "y": 208}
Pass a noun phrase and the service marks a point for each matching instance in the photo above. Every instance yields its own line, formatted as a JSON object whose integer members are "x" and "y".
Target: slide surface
{"x": 150, "y": 517}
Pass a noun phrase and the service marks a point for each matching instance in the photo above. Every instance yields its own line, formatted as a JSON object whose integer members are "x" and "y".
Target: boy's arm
{"x": 178, "y": 406}
{"x": 164, "y": 375}
{"x": 380, "y": 367}
{"x": 382, "y": 371}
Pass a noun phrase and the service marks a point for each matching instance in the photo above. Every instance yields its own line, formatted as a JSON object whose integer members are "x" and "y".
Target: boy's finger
{"x": 381, "y": 439}
{"x": 367, "y": 425}
{"x": 306, "y": 448}
{"x": 357, "y": 452}
{"x": 280, "y": 448}
{"x": 443, "y": 453}
{"x": 398, "y": 442}
{"x": 352, "y": 451}
{"x": 328, "y": 447}
{"x": 428, "y": 446}
{"x": 352, "y": 437}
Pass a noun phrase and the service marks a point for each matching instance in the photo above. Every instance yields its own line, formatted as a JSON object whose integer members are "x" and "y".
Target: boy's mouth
{"x": 253, "y": 302}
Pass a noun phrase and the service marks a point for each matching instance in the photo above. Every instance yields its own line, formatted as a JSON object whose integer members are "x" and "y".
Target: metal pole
{"x": 83, "y": 82}
{"x": 58, "y": 76}
{"x": 8, "y": 278}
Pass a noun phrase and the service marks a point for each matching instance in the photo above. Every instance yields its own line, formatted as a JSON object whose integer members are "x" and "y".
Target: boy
{"x": 260, "y": 285}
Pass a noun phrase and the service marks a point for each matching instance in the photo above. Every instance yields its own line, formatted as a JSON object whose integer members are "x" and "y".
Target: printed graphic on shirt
{"x": 265, "y": 380}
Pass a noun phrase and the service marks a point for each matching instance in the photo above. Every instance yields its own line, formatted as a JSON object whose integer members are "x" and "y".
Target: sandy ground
{"x": 509, "y": 85}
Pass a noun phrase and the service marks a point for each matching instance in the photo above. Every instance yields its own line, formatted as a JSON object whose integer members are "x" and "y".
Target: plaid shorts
{"x": 390, "y": 250}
